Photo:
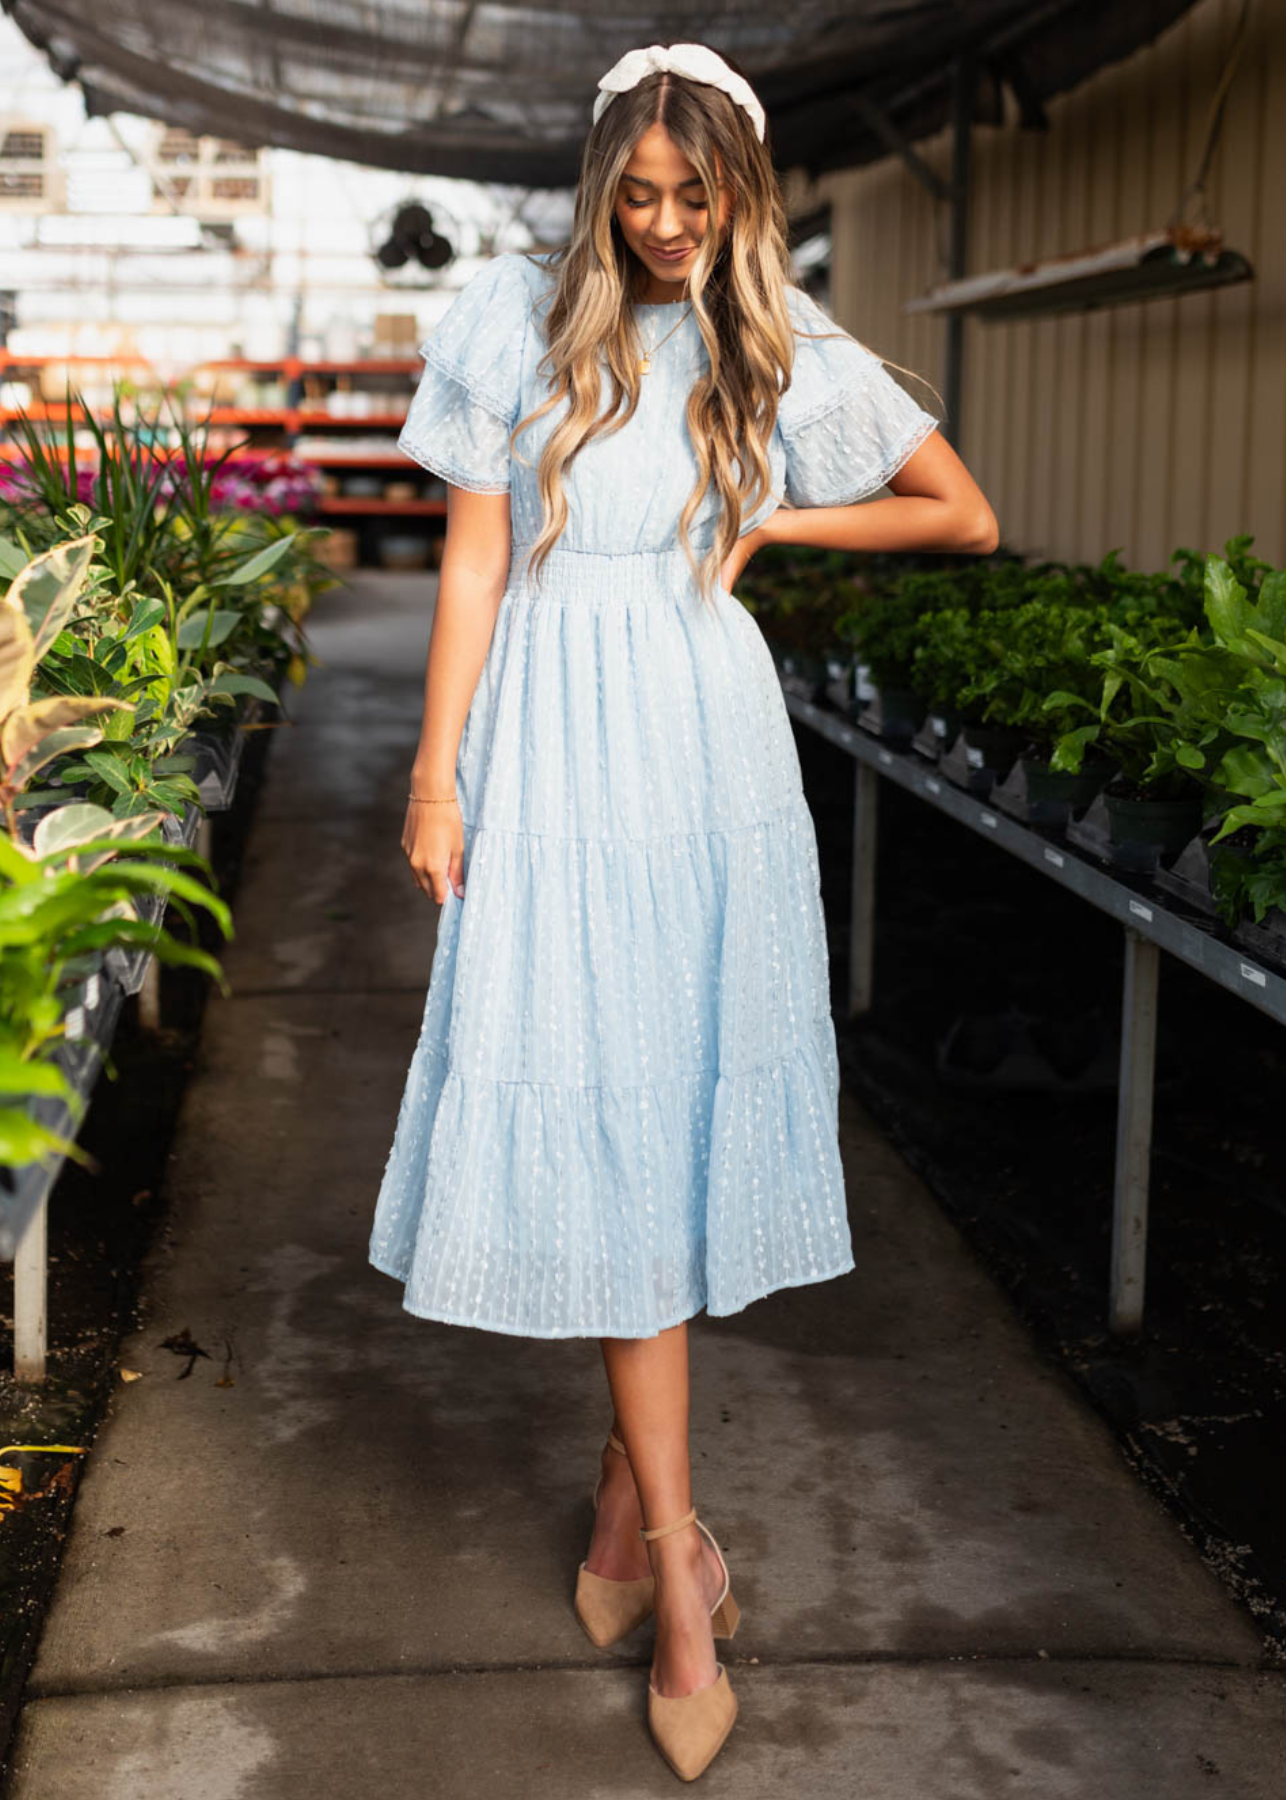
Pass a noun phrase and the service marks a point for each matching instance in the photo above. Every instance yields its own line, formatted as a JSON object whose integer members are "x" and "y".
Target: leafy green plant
{"x": 798, "y": 599}
{"x": 129, "y": 486}
{"x": 61, "y": 905}
{"x": 1250, "y": 880}
{"x": 882, "y": 628}
{"x": 34, "y": 733}
{"x": 1244, "y": 754}
{"x": 152, "y": 665}
{"x": 122, "y": 624}
{"x": 150, "y": 477}
{"x": 944, "y": 646}
{"x": 159, "y": 655}
{"x": 1173, "y": 697}
{"x": 1136, "y": 718}
{"x": 151, "y": 501}
{"x": 1015, "y": 658}
{"x": 903, "y": 634}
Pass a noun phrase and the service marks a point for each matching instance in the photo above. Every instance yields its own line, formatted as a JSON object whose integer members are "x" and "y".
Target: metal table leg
{"x": 1133, "y": 1133}
{"x": 149, "y": 996}
{"x": 30, "y": 1290}
{"x": 861, "y": 934}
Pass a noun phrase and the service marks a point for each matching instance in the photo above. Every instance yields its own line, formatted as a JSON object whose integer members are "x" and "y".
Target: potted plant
{"x": 890, "y": 624}
{"x": 1242, "y": 753}
{"x": 1150, "y": 809}
{"x": 797, "y": 596}
{"x": 949, "y": 647}
{"x": 1018, "y": 655}
{"x": 882, "y": 628}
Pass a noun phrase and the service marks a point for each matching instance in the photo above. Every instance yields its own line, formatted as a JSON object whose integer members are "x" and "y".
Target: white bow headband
{"x": 697, "y": 61}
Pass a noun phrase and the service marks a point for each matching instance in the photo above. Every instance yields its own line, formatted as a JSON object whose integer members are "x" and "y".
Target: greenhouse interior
{"x": 264, "y": 1531}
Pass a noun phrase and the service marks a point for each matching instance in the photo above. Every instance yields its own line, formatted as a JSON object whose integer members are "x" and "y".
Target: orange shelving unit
{"x": 345, "y": 503}
{"x": 270, "y": 430}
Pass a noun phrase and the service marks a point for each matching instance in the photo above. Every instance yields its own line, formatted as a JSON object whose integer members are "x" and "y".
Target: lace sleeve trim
{"x": 443, "y": 465}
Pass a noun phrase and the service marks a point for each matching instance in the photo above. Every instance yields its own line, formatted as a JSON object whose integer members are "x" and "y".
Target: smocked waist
{"x": 569, "y": 573}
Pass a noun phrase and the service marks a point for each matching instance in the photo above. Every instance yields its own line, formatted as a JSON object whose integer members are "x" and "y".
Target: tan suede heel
{"x": 610, "y": 1610}
{"x": 690, "y": 1729}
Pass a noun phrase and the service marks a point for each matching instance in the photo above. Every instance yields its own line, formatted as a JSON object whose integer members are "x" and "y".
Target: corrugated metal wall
{"x": 1146, "y": 426}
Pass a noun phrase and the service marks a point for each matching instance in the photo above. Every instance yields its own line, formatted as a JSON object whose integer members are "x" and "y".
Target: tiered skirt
{"x": 622, "y": 1104}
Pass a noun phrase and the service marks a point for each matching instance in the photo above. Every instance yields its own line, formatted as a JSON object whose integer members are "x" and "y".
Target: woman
{"x": 622, "y": 1106}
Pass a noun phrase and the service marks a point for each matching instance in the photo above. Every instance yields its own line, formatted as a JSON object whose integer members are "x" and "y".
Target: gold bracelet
{"x": 432, "y": 800}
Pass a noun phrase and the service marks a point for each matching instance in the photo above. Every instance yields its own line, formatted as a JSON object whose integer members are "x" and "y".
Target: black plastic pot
{"x": 1136, "y": 834}
{"x": 1039, "y": 795}
{"x": 1190, "y": 876}
{"x": 91, "y": 1001}
{"x": 1266, "y": 939}
{"x": 981, "y": 756}
{"x": 894, "y": 713}
{"x": 212, "y": 749}
{"x": 217, "y": 747}
{"x": 803, "y": 672}
{"x": 939, "y": 731}
{"x": 841, "y": 690}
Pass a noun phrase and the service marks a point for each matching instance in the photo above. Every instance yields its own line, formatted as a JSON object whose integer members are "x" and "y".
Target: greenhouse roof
{"x": 497, "y": 92}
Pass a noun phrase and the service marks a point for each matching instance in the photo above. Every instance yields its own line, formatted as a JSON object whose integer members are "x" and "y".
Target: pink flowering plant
{"x": 276, "y": 484}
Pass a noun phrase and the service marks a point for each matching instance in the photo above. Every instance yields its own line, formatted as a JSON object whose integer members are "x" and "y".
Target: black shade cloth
{"x": 503, "y": 93}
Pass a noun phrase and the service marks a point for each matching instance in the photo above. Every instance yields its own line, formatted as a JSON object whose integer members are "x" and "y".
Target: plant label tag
{"x": 75, "y": 1022}
{"x": 91, "y": 992}
{"x": 886, "y": 757}
{"x": 987, "y": 819}
{"x": 1053, "y": 856}
{"x": 933, "y": 786}
{"x": 939, "y": 725}
{"x": 1250, "y": 973}
{"x": 973, "y": 756}
{"x": 1140, "y": 911}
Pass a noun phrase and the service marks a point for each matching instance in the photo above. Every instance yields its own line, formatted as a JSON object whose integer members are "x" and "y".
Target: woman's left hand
{"x": 740, "y": 554}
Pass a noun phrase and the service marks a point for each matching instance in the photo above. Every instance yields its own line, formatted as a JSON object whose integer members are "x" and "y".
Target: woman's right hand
{"x": 433, "y": 840}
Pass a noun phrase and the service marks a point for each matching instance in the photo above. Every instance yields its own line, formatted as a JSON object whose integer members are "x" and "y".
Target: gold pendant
{"x": 645, "y": 364}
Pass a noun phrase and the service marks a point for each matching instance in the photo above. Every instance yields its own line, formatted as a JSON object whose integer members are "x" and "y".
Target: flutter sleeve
{"x": 845, "y": 423}
{"x": 467, "y": 399}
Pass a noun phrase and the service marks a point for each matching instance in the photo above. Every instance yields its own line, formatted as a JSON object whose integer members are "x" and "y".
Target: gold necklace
{"x": 645, "y": 361}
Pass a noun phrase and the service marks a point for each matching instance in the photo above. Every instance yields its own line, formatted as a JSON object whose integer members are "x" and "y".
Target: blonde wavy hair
{"x": 737, "y": 289}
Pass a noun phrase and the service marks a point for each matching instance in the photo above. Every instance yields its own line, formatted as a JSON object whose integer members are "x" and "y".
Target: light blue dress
{"x": 622, "y": 1106}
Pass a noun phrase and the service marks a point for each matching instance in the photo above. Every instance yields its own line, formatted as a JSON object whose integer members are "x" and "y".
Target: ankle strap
{"x": 664, "y": 1530}
{"x": 616, "y": 1443}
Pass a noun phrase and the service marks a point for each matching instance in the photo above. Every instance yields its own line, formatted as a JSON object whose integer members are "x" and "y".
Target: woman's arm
{"x": 475, "y": 568}
{"x": 937, "y": 505}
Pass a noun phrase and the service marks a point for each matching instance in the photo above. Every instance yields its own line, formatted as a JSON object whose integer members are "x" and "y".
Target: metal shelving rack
{"x": 1150, "y": 926}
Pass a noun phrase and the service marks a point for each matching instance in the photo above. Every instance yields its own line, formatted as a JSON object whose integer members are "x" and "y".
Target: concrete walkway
{"x": 348, "y": 1572}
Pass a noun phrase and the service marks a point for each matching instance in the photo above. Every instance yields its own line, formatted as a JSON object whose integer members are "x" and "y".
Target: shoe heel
{"x": 726, "y": 1617}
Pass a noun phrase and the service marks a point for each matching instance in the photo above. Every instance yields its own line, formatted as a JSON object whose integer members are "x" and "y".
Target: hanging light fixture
{"x": 1179, "y": 259}
{"x": 1182, "y": 257}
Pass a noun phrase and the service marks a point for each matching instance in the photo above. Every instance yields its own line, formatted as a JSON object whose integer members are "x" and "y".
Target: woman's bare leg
{"x": 616, "y": 1550}
{"x": 649, "y": 1382}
